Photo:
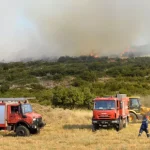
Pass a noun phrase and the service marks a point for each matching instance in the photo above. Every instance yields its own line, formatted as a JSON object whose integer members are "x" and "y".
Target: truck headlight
{"x": 94, "y": 121}
{"x": 115, "y": 121}
{"x": 34, "y": 119}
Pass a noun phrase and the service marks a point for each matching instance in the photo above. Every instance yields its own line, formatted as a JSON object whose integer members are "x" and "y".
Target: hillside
{"x": 71, "y": 129}
{"x": 72, "y": 82}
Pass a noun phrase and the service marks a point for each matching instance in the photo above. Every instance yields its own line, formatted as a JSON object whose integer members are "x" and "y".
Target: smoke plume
{"x": 48, "y": 28}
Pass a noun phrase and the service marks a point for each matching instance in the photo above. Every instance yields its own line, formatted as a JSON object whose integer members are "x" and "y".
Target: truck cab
{"x": 135, "y": 104}
{"x": 135, "y": 109}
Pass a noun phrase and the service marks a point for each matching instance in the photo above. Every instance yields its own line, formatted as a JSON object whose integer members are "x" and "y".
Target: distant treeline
{"x": 75, "y": 81}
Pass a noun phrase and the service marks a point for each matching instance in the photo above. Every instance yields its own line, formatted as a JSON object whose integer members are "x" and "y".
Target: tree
{"x": 59, "y": 96}
{"x": 75, "y": 97}
{"x": 88, "y": 97}
{"x": 4, "y": 87}
{"x": 89, "y": 76}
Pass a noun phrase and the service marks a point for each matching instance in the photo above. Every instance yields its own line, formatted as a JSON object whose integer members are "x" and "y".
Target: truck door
{"x": 14, "y": 114}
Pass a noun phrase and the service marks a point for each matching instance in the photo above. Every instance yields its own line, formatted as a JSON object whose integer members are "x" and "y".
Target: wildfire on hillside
{"x": 127, "y": 52}
{"x": 92, "y": 54}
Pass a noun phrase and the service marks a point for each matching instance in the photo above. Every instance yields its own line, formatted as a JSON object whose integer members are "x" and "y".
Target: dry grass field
{"x": 71, "y": 130}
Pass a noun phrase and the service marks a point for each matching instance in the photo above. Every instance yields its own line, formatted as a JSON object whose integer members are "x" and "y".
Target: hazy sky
{"x": 36, "y": 28}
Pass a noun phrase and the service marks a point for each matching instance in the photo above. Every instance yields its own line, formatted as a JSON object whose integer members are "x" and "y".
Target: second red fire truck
{"x": 110, "y": 112}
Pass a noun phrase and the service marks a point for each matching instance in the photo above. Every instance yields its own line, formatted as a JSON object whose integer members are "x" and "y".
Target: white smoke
{"x": 37, "y": 28}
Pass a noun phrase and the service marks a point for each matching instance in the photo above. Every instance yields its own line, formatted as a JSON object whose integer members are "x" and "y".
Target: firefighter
{"x": 144, "y": 126}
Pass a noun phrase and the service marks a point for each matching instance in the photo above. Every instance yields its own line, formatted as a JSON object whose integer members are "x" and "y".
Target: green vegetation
{"x": 75, "y": 81}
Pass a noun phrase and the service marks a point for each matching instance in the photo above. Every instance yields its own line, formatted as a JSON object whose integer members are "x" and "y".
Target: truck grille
{"x": 104, "y": 116}
{"x": 39, "y": 120}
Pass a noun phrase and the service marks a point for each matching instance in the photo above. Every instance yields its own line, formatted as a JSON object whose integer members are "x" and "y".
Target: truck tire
{"x": 132, "y": 118}
{"x": 125, "y": 122}
{"x": 95, "y": 127}
{"x": 22, "y": 131}
{"x": 120, "y": 125}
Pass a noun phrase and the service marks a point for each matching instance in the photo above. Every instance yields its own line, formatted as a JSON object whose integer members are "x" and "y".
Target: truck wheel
{"x": 22, "y": 131}
{"x": 119, "y": 126}
{"x": 95, "y": 127}
{"x": 132, "y": 118}
{"x": 125, "y": 123}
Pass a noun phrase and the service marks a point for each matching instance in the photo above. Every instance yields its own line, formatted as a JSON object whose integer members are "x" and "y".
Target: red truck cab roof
{"x": 105, "y": 98}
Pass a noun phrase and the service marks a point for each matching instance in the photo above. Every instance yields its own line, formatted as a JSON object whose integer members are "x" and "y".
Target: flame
{"x": 92, "y": 54}
{"x": 127, "y": 52}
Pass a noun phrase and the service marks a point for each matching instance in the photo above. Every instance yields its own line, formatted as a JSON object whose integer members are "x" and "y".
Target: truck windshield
{"x": 26, "y": 108}
{"x": 104, "y": 104}
{"x": 134, "y": 102}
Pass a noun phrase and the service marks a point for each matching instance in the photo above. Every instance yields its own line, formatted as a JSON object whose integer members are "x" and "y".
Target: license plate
{"x": 104, "y": 122}
{"x": 104, "y": 125}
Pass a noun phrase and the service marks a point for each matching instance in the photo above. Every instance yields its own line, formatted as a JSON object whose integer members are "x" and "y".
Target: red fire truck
{"x": 16, "y": 114}
{"x": 110, "y": 112}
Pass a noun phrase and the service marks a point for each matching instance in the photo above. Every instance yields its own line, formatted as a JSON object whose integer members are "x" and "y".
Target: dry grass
{"x": 71, "y": 130}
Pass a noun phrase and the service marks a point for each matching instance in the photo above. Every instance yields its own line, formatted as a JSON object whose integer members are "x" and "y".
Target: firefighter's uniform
{"x": 144, "y": 127}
